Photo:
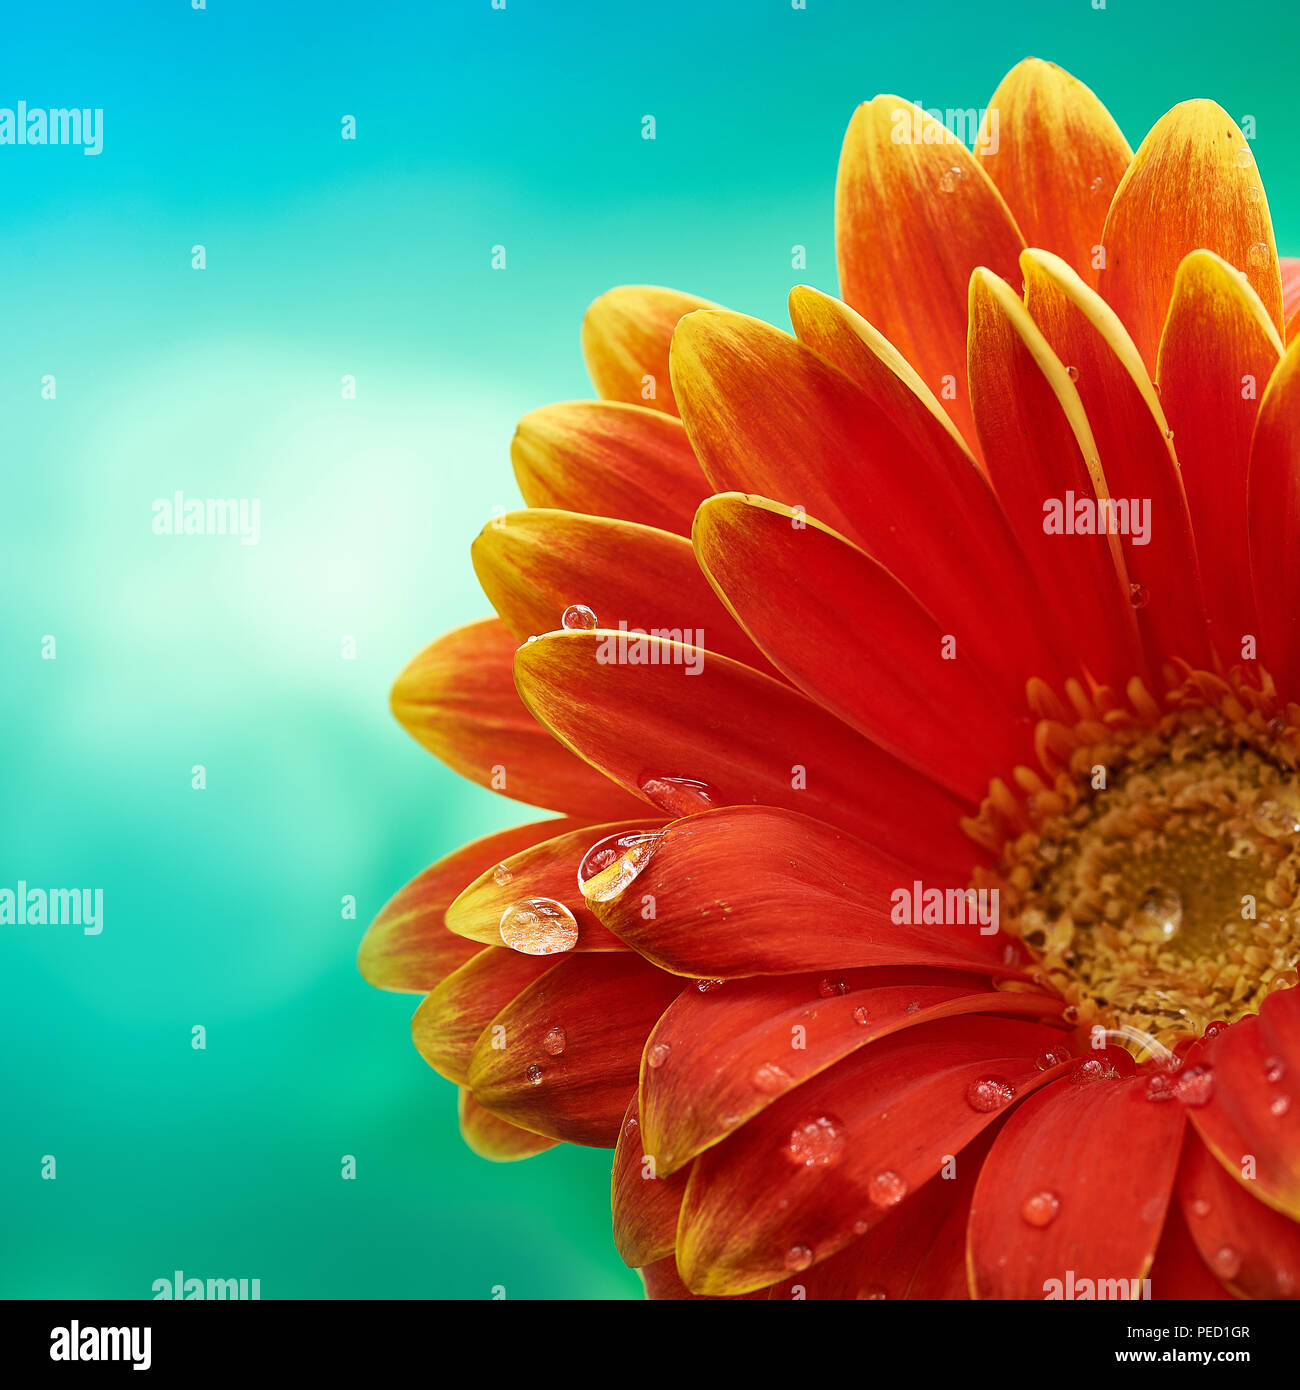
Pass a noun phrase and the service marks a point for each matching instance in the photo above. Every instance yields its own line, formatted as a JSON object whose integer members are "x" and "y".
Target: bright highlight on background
{"x": 368, "y": 258}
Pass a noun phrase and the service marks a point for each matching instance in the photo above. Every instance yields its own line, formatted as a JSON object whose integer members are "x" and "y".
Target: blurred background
{"x": 369, "y": 258}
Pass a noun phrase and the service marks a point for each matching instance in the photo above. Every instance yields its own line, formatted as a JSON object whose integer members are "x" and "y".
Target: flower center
{"x": 1156, "y": 877}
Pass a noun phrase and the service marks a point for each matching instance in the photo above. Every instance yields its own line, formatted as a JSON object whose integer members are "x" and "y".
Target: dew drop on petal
{"x": 1244, "y": 158}
{"x": 1161, "y": 1086}
{"x": 769, "y": 1078}
{"x": 1139, "y": 595}
{"x": 887, "y": 1189}
{"x": 1212, "y": 1030}
{"x": 578, "y": 618}
{"x": 1053, "y": 1057}
{"x": 658, "y": 1055}
{"x": 951, "y": 179}
{"x": 1274, "y": 1069}
{"x": 679, "y": 796}
{"x": 874, "y": 1293}
{"x": 1096, "y": 185}
{"x": 1195, "y": 1086}
{"x": 704, "y": 986}
{"x": 1226, "y": 1262}
{"x": 631, "y": 1127}
{"x": 533, "y": 1075}
{"x": 1258, "y": 254}
{"x": 829, "y": 988}
{"x": 817, "y": 1143}
{"x": 1041, "y": 1208}
{"x": 1159, "y": 915}
{"x": 860, "y": 1014}
{"x": 555, "y": 1041}
{"x": 1200, "y": 1208}
{"x": 860, "y": 1228}
{"x": 989, "y": 1093}
{"x": 502, "y": 875}
{"x": 1273, "y": 819}
{"x": 1072, "y": 373}
{"x": 1280, "y": 1106}
{"x": 798, "y": 1257}
{"x": 1254, "y": 193}
{"x": 633, "y": 847}
{"x": 538, "y": 927}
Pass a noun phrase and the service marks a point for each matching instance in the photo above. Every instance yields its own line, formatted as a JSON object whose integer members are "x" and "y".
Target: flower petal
{"x": 1252, "y": 1249}
{"x": 662, "y": 1281}
{"x": 900, "y": 169}
{"x": 494, "y": 1138}
{"x": 1189, "y": 188}
{"x": 534, "y": 564}
{"x": 609, "y": 459}
{"x": 458, "y": 700}
{"x": 408, "y": 946}
{"x": 1136, "y": 456}
{"x": 769, "y": 416}
{"x": 1056, "y": 156}
{"x": 721, "y": 1042}
{"x": 691, "y": 714}
{"x": 754, "y": 1203}
{"x": 754, "y": 890}
{"x": 547, "y": 869}
{"x": 1274, "y": 500}
{"x": 448, "y": 1022}
{"x": 1290, "y": 269}
{"x": 1038, "y": 448}
{"x": 820, "y": 609}
{"x": 625, "y": 338}
{"x": 1177, "y": 1273}
{"x": 1251, "y": 1122}
{"x": 645, "y": 1200}
{"x": 1106, "y": 1156}
{"x": 604, "y": 1005}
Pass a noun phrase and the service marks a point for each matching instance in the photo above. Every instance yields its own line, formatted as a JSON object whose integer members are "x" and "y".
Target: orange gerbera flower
{"x": 920, "y": 692}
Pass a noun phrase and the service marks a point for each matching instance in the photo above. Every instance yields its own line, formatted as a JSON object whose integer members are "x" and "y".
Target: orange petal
{"x": 1075, "y": 1186}
{"x": 768, "y": 415}
{"x": 448, "y": 1023}
{"x": 408, "y": 946}
{"x": 625, "y": 338}
{"x": 1290, "y": 269}
{"x": 546, "y": 869}
{"x": 1251, "y": 1248}
{"x": 458, "y": 700}
{"x": 1056, "y": 156}
{"x": 534, "y": 564}
{"x": 598, "y": 1010}
{"x": 928, "y": 703}
{"x": 645, "y": 1200}
{"x": 494, "y": 1138}
{"x": 913, "y": 217}
{"x": 1218, "y": 351}
{"x": 1192, "y": 185}
{"x": 1136, "y": 456}
{"x": 1038, "y": 447}
{"x": 788, "y": 893}
{"x": 1177, "y": 1272}
{"x": 691, "y": 714}
{"x": 883, "y": 1121}
{"x": 1274, "y": 501}
{"x": 609, "y": 459}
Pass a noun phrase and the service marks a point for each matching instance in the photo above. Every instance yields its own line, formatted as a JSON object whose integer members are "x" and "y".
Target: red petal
{"x": 408, "y": 946}
{"x": 752, "y": 1206}
{"x": 691, "y": 714}
{"x": 458, "y": 699}
{"x": 757, "y": 891}
{"x": 645, "y": 1200}
{"x": 1177, "y": 1273}
{"x": 605, "y": 1005}
{"x": 494, "y": 1138}
{"x": 1107, "y": 1156}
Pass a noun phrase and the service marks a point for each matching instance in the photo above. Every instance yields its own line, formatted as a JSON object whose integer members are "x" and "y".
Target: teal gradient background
{"x": 370, "y": 258}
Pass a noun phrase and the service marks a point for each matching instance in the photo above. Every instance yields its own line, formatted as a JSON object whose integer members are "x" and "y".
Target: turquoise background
{"x": 371, "y": 258}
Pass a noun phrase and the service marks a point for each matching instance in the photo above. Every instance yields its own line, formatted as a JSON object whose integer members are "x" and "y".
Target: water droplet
{"x": 658, "y": 1055}
{"x": 1090, "y": 1069}
{"x": 1285, "y": 1281}
{"x": 860, "y": 1228}
{"x": 951, "y": 179}
{"x": 1258, "y": 255}
{"x": 1053, "y": 1057}
{"x": 704, "y": 986}
{"x": 873, "y": 1293}
{"x": 579, "y": 618}
{"x": 1280, "y": 1106}
{"x": 1139, "y": 595}
{"x": 1274, "y": 819}
{"x": 1200, "y": 1208}
{"x": 1072, "y": 373}
{"x": 798, "y": 1257}
{"x": 817, "y": 1143}
{"x": 1195, "y": 1086}
{"x": 989, "y": 1093}
{"x": 631, "y": 1127}
{"x": 1274, "y": 1069}
{"x": 887, "y": 1189}
{"x": 1162, "y": 1086}
{"x": 1212, "y": 1030}
{"x": 630, "y": 849}
{"x": 1040, "y": 1209}
{"x": 1070, "y": 1013}
{"x": 538, "y": 927}
{"x": 1254, "y": 193}
{"x": 502, "y": 875}
{"x": 829, "y": 988}
{"x": 533, "y": 1075}
{"x": 769, "y": 1078}
{"x": 912, "y": 1007}
{"x": 1096, "y": 185}
{"x": 860, "y": 1014}
{"x": 1244, "y": 158}
{"x": 1226, "y": 1262}
{"x": 555, "y": 1041}
{"x": 679, "y": 796}
{"x": 1159, "y": 915}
